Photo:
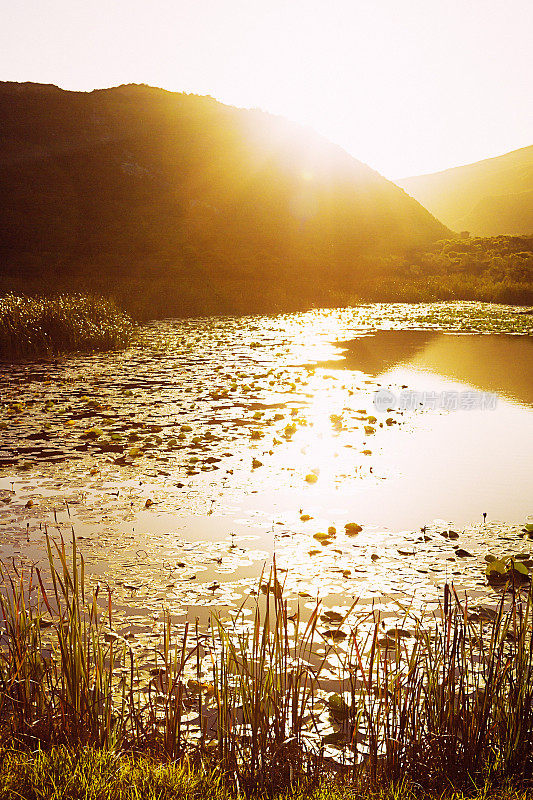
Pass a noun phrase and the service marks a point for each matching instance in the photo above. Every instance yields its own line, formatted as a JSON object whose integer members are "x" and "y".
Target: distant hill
{"x": 488, "y": 198}
{"x": 178, "y": 204}
{"x": 508, "y": 213}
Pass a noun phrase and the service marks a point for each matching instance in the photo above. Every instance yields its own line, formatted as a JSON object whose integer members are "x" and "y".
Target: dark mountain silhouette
{"x": 178, "y": 204}
{"x": 488, "y": 198}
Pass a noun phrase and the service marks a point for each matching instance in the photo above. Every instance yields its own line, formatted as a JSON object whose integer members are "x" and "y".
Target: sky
{"x": 407, "y": 86}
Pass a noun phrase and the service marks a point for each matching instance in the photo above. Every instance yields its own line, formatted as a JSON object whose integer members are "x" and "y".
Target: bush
{"x": 31, "y": 327}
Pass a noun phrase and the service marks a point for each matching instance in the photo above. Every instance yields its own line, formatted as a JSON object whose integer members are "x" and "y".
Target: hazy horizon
{"x": 407, "y": 89}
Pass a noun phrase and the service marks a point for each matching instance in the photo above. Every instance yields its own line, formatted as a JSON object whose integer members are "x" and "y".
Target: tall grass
{"x": 456, "y": 706}
{"x": 31, "y": 327}
{"x": 266, "y": 682}
{"x": 446, "y": 704}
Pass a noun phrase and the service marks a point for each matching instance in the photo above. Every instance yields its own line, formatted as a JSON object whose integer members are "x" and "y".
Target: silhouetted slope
{"x": 185, "y": 205}
{"x": 488, "y": 198}
{"x": 510, "y": 213}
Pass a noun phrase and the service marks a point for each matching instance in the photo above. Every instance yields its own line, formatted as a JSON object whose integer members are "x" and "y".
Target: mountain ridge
{"x": 225, "y": 209}
{"x": 490, "y": 197}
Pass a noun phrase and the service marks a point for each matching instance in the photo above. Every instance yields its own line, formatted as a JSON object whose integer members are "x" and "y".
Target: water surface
{"x": 186, "y": 462}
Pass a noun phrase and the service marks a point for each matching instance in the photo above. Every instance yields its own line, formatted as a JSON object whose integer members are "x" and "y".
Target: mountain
{"x": 178, "y": 204}
{"x": 488, "y": 198}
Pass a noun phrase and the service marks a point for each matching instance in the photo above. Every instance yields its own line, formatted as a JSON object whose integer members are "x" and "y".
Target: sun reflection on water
{"x": 252, "y": 437}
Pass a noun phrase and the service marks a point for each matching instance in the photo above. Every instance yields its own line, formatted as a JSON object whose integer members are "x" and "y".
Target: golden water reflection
{"x": 243, "y": 429}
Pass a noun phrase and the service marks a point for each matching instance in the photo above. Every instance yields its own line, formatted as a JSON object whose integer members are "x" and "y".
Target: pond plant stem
{"x": 444, "y": 704}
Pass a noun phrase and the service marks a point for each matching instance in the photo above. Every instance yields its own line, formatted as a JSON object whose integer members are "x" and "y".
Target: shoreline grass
{"x": 90, "y": 774}
{"x": 444, "y": 708}
{"x": 34, "y": 327}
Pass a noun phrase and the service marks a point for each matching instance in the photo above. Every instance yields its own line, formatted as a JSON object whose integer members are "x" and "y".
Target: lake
{"x": 187, "y": 462}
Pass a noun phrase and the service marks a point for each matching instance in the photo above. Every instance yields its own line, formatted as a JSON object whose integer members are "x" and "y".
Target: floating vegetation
{"x": 441, "y": 698}
{"x": 500, "y": 571}
{"x": 32, "y": 327}
{"x": 352, "y": 528}
{"x": 181, "y": 464}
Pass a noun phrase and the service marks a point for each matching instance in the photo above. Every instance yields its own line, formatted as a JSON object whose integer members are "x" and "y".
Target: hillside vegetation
{"x": 488, "y": 198}
{"x": 494, "y": 270}
{"x": 176, "y": 204}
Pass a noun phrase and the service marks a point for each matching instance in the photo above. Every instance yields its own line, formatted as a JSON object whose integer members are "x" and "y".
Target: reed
{"x": 452, "y": 708}
{"x": 266, "y": 680}
{"x": 440, "y": 705}
{"x": 32, "y": 327}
